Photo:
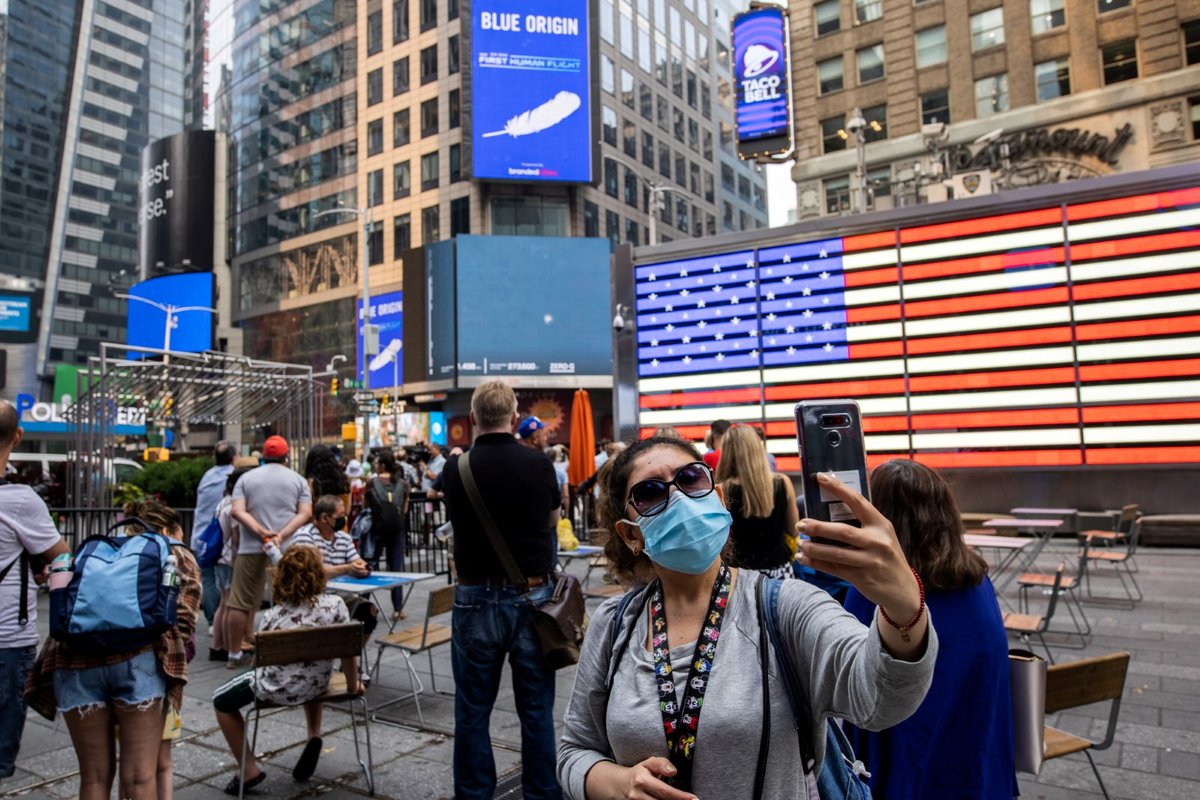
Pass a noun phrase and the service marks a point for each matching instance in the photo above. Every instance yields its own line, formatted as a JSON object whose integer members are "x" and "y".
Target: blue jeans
{"x": 489, "y": 624}
{"x": 15, "y": 663}
{"x": 212, "y": 595}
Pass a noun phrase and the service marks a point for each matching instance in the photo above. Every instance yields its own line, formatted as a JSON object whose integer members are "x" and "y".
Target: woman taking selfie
{"x": 968, "y": 710}
{"x": 763, "y": 505}
{"x": 637, "y": 731}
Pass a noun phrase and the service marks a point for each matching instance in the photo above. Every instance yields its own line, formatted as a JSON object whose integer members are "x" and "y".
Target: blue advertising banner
{"x": 530, "y": 91}
{"x": 189, "y": 296}
{"x": 16, "y": 311}
{"x": 387, "y": 311}
{"x": 760, "y": 66}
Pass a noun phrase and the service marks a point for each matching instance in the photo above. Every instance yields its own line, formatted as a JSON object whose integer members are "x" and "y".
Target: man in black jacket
{"x": 491, "y": 619}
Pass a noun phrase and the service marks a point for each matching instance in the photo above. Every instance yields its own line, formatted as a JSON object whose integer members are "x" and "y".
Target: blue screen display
{"x": 387, "y": 312}
{"x": 15, "y": 312}
{"x": 440, "y": 314}
{"x": 189, "y": 296}
{"x": 760, "y": 53}
{"x": 530, "y": 91}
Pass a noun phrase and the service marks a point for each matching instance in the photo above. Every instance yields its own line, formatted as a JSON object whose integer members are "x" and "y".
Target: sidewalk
{"x": 1157, "y": 754}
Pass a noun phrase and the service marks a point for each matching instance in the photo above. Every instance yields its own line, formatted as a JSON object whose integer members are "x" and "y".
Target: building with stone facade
{"x": 962, "y": 99}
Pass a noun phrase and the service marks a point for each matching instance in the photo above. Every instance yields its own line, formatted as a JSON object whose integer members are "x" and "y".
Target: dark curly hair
{"x": 155, "y": 513}
{"x": 614, "y": 485}
{"x": 299, "y": 576}
{"x": 321, "y": 467}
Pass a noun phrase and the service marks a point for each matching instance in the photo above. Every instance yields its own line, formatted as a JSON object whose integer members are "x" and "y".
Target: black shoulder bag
{"x": 560, "y": 621}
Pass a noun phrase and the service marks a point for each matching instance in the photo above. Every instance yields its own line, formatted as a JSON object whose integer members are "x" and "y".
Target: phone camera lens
{"x": 835, "y": 438}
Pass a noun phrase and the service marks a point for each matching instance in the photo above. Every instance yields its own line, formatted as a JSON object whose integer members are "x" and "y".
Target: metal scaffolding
{"x": 176, "y": 391}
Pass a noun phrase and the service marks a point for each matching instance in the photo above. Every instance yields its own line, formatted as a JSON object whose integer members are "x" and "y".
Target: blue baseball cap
{"x": 529, "y": 426}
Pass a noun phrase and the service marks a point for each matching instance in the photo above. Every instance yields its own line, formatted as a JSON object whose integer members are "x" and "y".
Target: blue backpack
{"x": 209, "y": 544}
{"x": 123, "y": 593}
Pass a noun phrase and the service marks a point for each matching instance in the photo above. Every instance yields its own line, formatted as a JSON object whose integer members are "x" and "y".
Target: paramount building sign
{"x": 1030, "y": 144}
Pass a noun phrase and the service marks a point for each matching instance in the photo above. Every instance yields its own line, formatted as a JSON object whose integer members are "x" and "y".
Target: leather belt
{"x": 500, "y": 582}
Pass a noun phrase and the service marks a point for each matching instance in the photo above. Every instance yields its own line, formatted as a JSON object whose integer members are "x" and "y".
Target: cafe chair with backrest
{"x": 1118, "y": 535}
{"x": 1120, "y": 559}
{"x": 1080, "y": 683}
{"x": 1030, "y": 625}
{"x": 418, "y": 639}
{"x": 302, "y": 645}
{"x": 1069, "y": 589}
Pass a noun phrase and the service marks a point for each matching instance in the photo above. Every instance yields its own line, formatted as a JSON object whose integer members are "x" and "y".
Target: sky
{"x": 781, "y": 193}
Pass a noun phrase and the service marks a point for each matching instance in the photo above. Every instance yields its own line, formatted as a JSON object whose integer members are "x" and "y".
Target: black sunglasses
{"x": 650, "y": 497}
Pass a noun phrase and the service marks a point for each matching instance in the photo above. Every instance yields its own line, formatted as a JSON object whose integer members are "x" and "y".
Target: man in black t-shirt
{"x": 491, "y": 620}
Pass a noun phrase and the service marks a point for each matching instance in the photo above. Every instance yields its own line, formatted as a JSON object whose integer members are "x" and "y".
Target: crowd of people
{"x": 720, "y": 608}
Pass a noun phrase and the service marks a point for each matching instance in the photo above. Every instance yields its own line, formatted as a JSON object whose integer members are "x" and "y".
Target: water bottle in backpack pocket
{"x": 123, "y": 594}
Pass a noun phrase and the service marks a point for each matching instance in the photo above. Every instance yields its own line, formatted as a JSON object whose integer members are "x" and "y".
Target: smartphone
{"x": 830, "y": 437}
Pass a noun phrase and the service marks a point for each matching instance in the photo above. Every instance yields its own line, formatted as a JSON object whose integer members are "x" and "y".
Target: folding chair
{"x": 603, "y": 590}
{"x": 1027, "y": 625}
{"x": 1081, "y": 683}
{"x": 421, "y": 638}
{"x": 1069, "y": 588}
{"x": 1122, "y": 527}
{"x": 1120, "y": 558}
{"x": 302, "y": 645}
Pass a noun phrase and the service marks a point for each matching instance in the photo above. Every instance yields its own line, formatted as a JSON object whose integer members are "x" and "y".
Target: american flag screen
{"x": 1059, "y": 336}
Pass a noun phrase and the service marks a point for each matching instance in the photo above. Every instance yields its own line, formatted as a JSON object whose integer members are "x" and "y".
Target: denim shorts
{"x": 134, "y": 682}
{"x": 224, "y": 576}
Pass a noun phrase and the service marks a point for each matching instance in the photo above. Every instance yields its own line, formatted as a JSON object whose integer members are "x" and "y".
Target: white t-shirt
{"x": 25, "y": 524}
{"x": 293, "y": 684}
{"x": 273, "y": 494}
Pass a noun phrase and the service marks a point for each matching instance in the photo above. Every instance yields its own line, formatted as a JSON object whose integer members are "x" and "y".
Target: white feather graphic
{"x": 547, "y": 115}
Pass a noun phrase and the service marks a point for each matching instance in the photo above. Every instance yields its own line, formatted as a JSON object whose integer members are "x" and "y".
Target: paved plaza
{"x": 1157, "y": 754}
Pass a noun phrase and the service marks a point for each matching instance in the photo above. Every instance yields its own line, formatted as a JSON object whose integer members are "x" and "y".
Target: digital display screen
{"x": 16, "y": 313}
{"x": 531, "y": 91}
{"x": 387, "y": 313}
{"x": 973, "y": 343}
{"x": 761, "y": 74}
{"x": 188, "y": 297}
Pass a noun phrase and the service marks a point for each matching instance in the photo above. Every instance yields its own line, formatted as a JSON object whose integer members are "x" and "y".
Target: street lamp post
{"x": 656, "y": 190}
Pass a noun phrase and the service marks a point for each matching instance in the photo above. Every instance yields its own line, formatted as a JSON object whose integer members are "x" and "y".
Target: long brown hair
{"x": 744, "y": 459}
{"x": 921, "y": 507}
{"x": 155, "y": 513}
{"x": 299, "y": 577}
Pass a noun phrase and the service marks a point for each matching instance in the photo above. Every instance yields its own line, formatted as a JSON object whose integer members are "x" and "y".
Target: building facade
{"x": 964, "y": 99}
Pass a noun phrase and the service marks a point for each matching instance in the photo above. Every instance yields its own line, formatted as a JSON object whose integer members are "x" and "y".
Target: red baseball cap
{"x": 275, "y": 447}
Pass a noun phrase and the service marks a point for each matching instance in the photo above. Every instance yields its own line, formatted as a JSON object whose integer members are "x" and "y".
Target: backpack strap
{"x": 23, "y": 561}
{"x": 618, "y": 629}
{"x": 797, "y": 698}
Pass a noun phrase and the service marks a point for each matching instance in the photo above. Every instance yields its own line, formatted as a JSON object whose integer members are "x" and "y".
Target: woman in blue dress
{"x": 959, "y": 743}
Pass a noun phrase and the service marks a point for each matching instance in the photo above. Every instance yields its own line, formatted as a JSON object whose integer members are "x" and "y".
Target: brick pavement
{"x": 1157, "y": 754}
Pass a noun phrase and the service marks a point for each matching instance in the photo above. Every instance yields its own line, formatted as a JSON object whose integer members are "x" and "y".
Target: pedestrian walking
{"x": 387, "y": 498}
{"x": 208, "y": 496}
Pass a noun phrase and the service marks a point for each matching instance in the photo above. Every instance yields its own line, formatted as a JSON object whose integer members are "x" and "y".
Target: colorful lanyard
{"x": 681, "y": 719}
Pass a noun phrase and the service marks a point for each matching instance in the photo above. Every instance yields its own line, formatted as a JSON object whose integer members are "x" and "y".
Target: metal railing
{"x": 77, "y": 524}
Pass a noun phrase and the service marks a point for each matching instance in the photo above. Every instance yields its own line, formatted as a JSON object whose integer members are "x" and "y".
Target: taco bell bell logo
{"x": 757, "y": 60}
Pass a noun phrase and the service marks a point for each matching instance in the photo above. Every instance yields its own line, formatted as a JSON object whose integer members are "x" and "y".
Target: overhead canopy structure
{"x": 127, "y": 387}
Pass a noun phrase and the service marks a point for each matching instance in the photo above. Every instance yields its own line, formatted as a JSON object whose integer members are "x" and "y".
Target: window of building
{"x": 837, "y": 195}
{"x": 375, "y": 86}
{"x": 709, "y": 187}
{"x": 611, "y": 185}
{"x": 627, "y": 94}
{"x": 867, "y": 10}
{"x": 1194, "y": 111}
{"x": 429, "y": 171}
{"x": 451, "y": 9}
{"x": 428, "y": 14}
{"x": 870, "y": 63}
{"x": 664, "y": 113}
{"x": 626, "y": 25}
{"x": 827, "y": 17}
{"x": 591, "y": 219}
{"x": 829, "y": 75}
{"x": 987, "y": 29}
{"x": 460, "y": 216}
{"x": 375, "y": 137}
{"x": 879, "y": 184}
{"x": 680, "y": 170}
{"x": 1120, "y": 61}
{"x": 677, "y": 118}
{"x": 991, "y": 95}
{"x": 876, "y": 117}
{"x": 608, "y": 125}
{"x": 401, "y": 129}
{"x": 645, "y": 100}
{"x": 608, "y": 74}
{"x": 931, "y": 47}
{"x": 833, "y": 133}
{"x": 612, "y": 227}
{"x": 431, "y": 225}
{"x": 690, "y": 83}
{"x": 681, "y": 214}
{"x": 728, "y": 181}
{"x": 400, "y": 82}
{"x": 429, "y": 118}
{"x": 1111, "y": 5}
{"x": 429, "y": 68}
{"x": 399, "y": 21}
{"x": 374, "y": 32}
{"x": 694, "y": 177}
{"x": 727, "y": 215}
{"x": 375, "y": 243}
{"x": 629, "y": 138}
{"x": 1191, "y": 41}
{"x": 455, "y": 163}
{"x": 607, "y": 31}
{"x": 693, "y": 135}
{"x": 706, "y": 144}
{"x": 631, "y": 231}
{"x": 454, "y": 108}
{"x": 631, "y": 188}
{"x": 374, "y": 187}
{"x": 401, "y": 235}
{"x": 1046, "y": 15}
{"x": 1053, "y": 78}
{"x": 935, "y": 107}
{"x": 648, "y": 150}
{"x": 401, "y": 180}
{"x": 452, "y": 56}
{"x": 705, "y": 101}
{"x": 664, "y": 160}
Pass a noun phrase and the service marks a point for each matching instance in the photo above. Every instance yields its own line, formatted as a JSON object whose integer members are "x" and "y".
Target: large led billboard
{"x": 764, "y": 119}
{"x": 185, "y": 297}
{"x": 531, "y": 91}
{"x": 175, "y": 201}
{"x": 1055, "y": 336}
{"x": 16, "y": 313}
{"x": 387, "y": 313}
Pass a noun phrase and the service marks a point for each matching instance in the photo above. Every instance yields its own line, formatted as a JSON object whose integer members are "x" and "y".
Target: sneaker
{"x": 210, "y": 629}
{"x": 236, "y": 662}
{"x": 217, "y": 655}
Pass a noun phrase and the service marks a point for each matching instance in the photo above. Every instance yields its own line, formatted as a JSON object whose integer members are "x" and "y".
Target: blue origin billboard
{"x": 531, "y": 104}
{"x": 761, "y": 76}
{"x": 387, "y": 313}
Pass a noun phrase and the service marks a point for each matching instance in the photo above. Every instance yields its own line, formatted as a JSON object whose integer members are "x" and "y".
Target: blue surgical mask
{"x": 689, "y": 534}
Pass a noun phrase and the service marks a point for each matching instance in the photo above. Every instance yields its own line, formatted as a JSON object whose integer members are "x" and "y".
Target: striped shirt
{"x": 340, "y": 550}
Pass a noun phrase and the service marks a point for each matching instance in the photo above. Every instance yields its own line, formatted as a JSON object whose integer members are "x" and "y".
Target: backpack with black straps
{"x": 387, "y": 506}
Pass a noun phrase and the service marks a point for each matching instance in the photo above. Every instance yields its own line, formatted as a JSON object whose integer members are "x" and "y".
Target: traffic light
{"x": 333, "y": 388}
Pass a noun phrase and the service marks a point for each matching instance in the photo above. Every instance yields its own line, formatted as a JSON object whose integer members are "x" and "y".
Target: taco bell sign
{"x": 761, "y": 74}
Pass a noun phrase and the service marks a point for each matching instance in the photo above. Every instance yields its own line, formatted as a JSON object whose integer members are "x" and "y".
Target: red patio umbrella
{"x": 583, "y": 439}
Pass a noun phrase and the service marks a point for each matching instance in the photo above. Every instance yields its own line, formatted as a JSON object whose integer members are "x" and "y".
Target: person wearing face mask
{"x": 339, "y": 556}
{"x": 673, "y": 708}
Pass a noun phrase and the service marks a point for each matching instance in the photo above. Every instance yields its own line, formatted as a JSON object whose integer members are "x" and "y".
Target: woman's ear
{"x": 720, "y": 490}
{"x": 631, "y": 535}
